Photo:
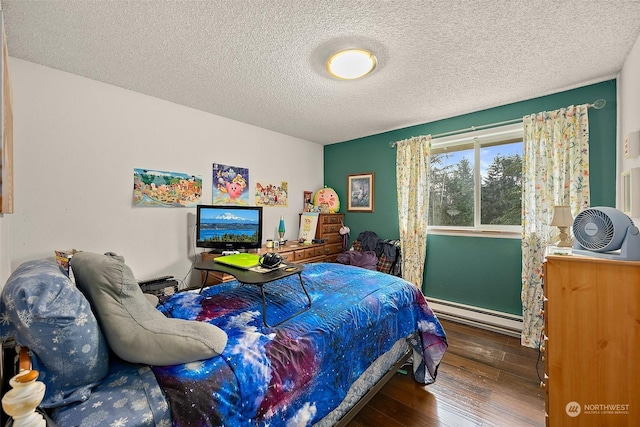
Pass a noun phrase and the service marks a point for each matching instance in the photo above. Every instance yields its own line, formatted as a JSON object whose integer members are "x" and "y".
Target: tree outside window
{"x": 456, "y": 201}
{"x": 501, "y": 191}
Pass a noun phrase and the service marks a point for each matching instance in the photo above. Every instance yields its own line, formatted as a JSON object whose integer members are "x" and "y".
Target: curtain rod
{"x": 598, "y": 104}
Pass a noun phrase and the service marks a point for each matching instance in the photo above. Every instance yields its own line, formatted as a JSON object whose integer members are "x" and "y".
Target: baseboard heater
{"x": 497, "y": 321}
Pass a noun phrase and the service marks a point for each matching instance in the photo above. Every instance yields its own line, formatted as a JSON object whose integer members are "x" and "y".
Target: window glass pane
{"x": 501, "y": 190}
{"x": 451, "y": 186}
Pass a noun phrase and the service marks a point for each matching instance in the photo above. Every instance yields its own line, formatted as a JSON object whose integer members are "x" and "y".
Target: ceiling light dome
{"x": 351, "y": 64}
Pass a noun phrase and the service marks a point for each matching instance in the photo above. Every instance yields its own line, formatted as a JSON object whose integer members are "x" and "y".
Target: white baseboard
{"x": 497, "y": 321}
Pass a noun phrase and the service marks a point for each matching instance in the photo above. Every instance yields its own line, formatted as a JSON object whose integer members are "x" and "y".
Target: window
{"x": 492, "y": 158}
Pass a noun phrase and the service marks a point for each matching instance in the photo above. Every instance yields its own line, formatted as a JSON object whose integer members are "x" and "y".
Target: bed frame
{"x": 373, "y": 390}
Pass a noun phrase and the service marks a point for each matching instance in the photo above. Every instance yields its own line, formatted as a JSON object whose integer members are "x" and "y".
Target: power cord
{"x": 540, "y": 345}
{"x": 184, "y": 283}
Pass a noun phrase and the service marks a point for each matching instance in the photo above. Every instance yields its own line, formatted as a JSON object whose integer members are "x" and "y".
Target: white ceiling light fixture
{"x": 351, "y": 64}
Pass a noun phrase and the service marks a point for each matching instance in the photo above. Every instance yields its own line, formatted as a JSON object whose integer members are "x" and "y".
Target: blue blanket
{"x": 298, "y": 372}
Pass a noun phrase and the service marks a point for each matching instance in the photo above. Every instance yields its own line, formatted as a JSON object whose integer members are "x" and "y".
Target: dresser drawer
{"x": 330, "y": 228}
{"x": 304, "y": 254}
{"x": 299, "y": 255}
{"x": 331, "y": 218}
{"x": 332, "y": 238}
{"x": 215, "y": 277}
{"x": 332, "y": 248}
{"x": 288, "y": 256}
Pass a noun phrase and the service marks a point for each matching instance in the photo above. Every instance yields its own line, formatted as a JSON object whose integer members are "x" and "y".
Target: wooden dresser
{"x": 592, "y": 341}
{"x": 329, "y": 230}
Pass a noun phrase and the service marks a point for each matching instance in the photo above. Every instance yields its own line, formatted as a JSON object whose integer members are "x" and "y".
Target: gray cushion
{"x": 135, "y": 330}
{"x": 44, "y": 311}
{"x": 154, "y": 300}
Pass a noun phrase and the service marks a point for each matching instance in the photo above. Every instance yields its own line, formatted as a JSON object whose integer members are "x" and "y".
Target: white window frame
{"x": 479, "y": 138}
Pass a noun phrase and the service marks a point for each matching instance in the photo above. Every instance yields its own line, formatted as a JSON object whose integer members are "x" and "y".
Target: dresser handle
{"x": 543, "y": 383}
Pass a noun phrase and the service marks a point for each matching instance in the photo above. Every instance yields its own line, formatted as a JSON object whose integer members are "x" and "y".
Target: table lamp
{"x": 562, "y": 219}
{"x": 281, "y": 230}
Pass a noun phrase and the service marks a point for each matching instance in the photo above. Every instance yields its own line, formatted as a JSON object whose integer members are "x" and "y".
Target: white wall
{"x": 628, "y": 113}
{"x": 76, "y": 143}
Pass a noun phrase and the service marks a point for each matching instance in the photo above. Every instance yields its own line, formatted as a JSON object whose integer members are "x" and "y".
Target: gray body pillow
{"x": 135, "y": 330}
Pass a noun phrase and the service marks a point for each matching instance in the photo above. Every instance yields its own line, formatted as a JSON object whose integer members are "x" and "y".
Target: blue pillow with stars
{"x": 42, "y": 310}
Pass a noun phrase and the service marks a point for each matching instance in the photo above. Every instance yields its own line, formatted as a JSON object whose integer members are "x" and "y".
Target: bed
{"x": 312, "y": 370}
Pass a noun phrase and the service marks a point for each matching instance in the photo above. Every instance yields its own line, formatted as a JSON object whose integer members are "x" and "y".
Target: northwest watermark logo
{"x": 573, "y": 409}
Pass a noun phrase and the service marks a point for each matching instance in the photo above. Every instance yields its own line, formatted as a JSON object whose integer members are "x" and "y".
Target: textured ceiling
{"x": 262, "y": 62}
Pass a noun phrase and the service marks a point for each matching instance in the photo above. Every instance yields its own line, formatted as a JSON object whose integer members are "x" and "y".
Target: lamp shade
{"x": 562, "y": 216}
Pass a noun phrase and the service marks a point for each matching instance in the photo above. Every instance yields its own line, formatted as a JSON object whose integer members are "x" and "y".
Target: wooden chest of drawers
{"x": 591, "y": 341}
{"x": 329, "y": 230}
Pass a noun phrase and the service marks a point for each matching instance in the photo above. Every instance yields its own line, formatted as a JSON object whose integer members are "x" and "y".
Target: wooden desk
{"x": 259, "y": 279}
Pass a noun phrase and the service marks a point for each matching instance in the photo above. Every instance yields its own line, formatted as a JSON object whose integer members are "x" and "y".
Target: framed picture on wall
{"x": 360, "y": 192}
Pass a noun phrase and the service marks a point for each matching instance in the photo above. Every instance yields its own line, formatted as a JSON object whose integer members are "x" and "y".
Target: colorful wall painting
{"x": 153, "y": 188}
{"x": 230, "y": 185}
{"x": 272, "y": 194}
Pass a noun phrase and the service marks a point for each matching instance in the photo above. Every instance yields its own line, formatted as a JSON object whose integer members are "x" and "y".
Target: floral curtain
{"x": 412, "y": 180}
{"x": 555, "y": 171}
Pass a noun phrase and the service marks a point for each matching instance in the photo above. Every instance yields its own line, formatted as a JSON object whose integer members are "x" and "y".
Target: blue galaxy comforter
{"x": 298, "y": 372}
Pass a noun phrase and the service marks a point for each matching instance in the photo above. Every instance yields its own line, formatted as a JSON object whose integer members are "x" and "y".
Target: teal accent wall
{"x": 478, "y": 271}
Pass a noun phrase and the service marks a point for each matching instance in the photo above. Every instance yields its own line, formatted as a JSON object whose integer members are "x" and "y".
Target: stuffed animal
{"x": 328, "y": 196}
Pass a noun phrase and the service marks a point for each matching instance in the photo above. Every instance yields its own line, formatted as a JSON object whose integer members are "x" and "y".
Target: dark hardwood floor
{"x": 485, "y": 379}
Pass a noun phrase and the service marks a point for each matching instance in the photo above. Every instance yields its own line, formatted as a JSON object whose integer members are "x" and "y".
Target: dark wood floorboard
{"x": 485, "y": 379}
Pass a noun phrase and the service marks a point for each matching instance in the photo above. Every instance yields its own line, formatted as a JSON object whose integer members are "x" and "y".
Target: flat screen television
{"x": 228, "y": 228}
